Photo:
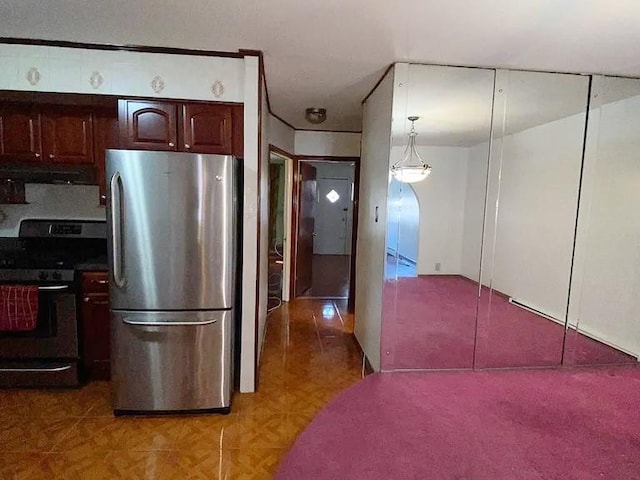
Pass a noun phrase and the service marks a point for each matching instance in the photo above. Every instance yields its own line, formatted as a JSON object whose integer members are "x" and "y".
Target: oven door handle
{"x": 36, "y": 370}
{"x": 116, "y": 228}
{"x": 53, "y": 288}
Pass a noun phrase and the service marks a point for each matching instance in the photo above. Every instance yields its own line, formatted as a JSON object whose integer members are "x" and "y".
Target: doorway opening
{"x": 403, "y": 227}
{"x": 327, "y": 193}
{"x": 280, "y": 186}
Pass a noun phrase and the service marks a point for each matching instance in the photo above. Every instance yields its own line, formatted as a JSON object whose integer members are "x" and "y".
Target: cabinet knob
{"x": 187, "y": 146}
{"x": 51, "y": 155}
{"x": 171, "y": 144}
{"x": 37, "y": 155}
{"x": 86, "y": 299}
{"x": 103, "y": 197}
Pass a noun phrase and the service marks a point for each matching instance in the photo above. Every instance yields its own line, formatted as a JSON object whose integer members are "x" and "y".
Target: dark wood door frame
{"x": 296, "y": 159}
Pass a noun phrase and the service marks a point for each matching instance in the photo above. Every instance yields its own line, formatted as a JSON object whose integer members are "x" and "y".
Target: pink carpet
{"x": 569, "y": 424}
{"x": 430, "y": 322}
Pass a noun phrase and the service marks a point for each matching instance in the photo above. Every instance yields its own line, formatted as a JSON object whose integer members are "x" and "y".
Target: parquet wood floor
{"x": 309, "y": 355}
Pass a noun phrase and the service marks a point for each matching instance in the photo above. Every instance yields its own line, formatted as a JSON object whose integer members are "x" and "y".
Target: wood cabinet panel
{"x": 19, "y": 135}
{"x": 147, "y": 125}
{"x": 96, "y": 327}
{"x": 207, "y": 128}
{"x": 67, "y": 135}
{"x": 238, "y": 131}
{"x": 105, "y": 128}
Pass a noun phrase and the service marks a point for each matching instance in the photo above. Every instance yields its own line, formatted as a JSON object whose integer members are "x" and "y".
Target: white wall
{"x": 374, "y": 175}
{"x": 606, "y": 281}
{"x": 403, "y": 221}
{"x": 539, "y": 171}
{"x": 281, "y": 135}
{"x": 263, "y": 241}
{"x": 73, "y": 202}
{"x": 474, "y": 206}
{"x": 441, "y": 198}
{"x": 75, "y": 70}
{"x": 333, "y": 144}
{"x": 251, "y": 217}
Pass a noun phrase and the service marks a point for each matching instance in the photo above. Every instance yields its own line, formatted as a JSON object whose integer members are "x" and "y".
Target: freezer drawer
{"x": 171, "y": 361}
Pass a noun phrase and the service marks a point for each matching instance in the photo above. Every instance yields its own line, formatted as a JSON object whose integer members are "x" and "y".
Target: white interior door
{"x": 333, "y": 217}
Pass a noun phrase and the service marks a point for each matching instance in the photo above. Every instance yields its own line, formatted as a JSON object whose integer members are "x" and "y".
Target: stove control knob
{"x": 43, "y": 275}
{"x": 56, "y": 276}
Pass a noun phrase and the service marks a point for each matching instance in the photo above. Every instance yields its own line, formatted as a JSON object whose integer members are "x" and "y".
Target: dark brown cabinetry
{"x": 58, "y": 134}
{"x": 105, "y": 136}
{"x": 181, "y": 127}
{"x": 207, "y": 128}
{"x": 67, "y": 135}
{"x": 148, "y": 125}
{"x": 95, "y": 320}
{"x": 19, "y": 134}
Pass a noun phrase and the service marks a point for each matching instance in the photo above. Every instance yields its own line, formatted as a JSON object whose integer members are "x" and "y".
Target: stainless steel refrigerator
{"x": 172, "y": 236}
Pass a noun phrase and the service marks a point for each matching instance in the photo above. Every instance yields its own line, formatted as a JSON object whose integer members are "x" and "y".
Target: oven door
{"x": 55, "y": 335}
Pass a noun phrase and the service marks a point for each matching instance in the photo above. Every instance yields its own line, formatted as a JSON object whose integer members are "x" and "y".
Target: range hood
{"x": 49, "y": 173}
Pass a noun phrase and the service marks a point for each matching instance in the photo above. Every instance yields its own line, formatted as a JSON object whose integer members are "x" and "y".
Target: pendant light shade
{"x": 411, "y": 168}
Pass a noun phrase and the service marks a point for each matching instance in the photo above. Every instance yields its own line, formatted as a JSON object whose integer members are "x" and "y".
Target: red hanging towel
{"x": 18, "y": 307}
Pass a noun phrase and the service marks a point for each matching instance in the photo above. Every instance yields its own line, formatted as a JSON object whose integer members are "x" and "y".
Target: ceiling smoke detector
{"x": 315, "y": 115}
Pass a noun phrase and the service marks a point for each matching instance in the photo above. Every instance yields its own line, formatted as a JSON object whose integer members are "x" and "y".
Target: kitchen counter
{"x": 93, "y": 265}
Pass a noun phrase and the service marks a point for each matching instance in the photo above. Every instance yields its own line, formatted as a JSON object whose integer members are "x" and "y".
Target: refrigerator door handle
{"x": 116, "y": 229}
{"x": 169, "y": 324}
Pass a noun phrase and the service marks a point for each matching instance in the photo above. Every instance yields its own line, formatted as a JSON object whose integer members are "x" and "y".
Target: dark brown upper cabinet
{"x": 148, "y": 125}
{"x": 182, "y": 127}
{"x": 67, "y": 135}
{"x": 19, "y": 134}
{"x": 105, "y": 128}
{"x": 207, "y": 128}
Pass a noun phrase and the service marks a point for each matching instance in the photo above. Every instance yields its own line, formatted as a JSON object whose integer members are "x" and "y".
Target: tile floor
{"x": 309, "y": 355}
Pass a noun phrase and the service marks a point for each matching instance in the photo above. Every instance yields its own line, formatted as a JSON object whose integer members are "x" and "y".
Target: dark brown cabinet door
{"x": 67, "y": 135}
{"x": 19, "y": 135}
{"x": 238, "y": 131}
{"x": 207, "y": 128}
{"x": 96, "y": 331}
{"x": 148, "y": 125}
{"x": 105, "y": 129}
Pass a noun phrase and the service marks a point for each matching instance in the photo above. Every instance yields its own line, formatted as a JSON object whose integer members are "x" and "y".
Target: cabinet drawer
{"x": 95, "y": 282}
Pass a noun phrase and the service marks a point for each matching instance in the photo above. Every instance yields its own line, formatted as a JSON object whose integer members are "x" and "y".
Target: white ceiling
{"x": 330, "y": 53}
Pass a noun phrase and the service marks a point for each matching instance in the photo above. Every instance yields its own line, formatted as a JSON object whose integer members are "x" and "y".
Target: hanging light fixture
{"x": 411, "y": 168}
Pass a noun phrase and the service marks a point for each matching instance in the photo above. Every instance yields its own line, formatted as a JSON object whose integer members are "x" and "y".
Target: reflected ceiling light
{"x": 411, "y": 168}
{"x": 315, "y": 115}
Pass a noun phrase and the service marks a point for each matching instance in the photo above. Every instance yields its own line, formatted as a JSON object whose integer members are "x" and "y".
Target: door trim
{"x": 291, "y": 166}
{"x": 295, "y": 214}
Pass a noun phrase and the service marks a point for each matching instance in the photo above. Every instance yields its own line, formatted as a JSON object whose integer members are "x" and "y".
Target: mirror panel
{"x": 534, "y": 178}
{"x": 604, "y": 314}
{"x": 434, "y": 227}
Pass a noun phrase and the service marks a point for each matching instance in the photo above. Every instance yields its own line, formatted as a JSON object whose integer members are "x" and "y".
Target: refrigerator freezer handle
{"x": 116, "y": 229}
{"x": 169, "y": 324}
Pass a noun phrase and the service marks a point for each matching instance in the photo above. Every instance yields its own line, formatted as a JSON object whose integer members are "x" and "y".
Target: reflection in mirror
{"x": 429, "y": 318}
{"x": 604, "y": 314}
{"x": 534, "y": 178}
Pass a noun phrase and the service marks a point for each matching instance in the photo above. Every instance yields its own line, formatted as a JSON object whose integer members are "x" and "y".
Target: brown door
{"x": 207, "y": 128}
{"x": 67, "y": 135}
{"x": 19, "y": 135}
{"x": 306, "y": 226}
{"x": 105, "y": 136}
{"x": 148, "y": 125}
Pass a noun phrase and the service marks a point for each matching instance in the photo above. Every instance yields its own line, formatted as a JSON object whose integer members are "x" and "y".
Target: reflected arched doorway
{"x": 403, "y": 226}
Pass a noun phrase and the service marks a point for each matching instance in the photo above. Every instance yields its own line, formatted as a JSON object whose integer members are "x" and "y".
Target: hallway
{"x": 309, "y": 355}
